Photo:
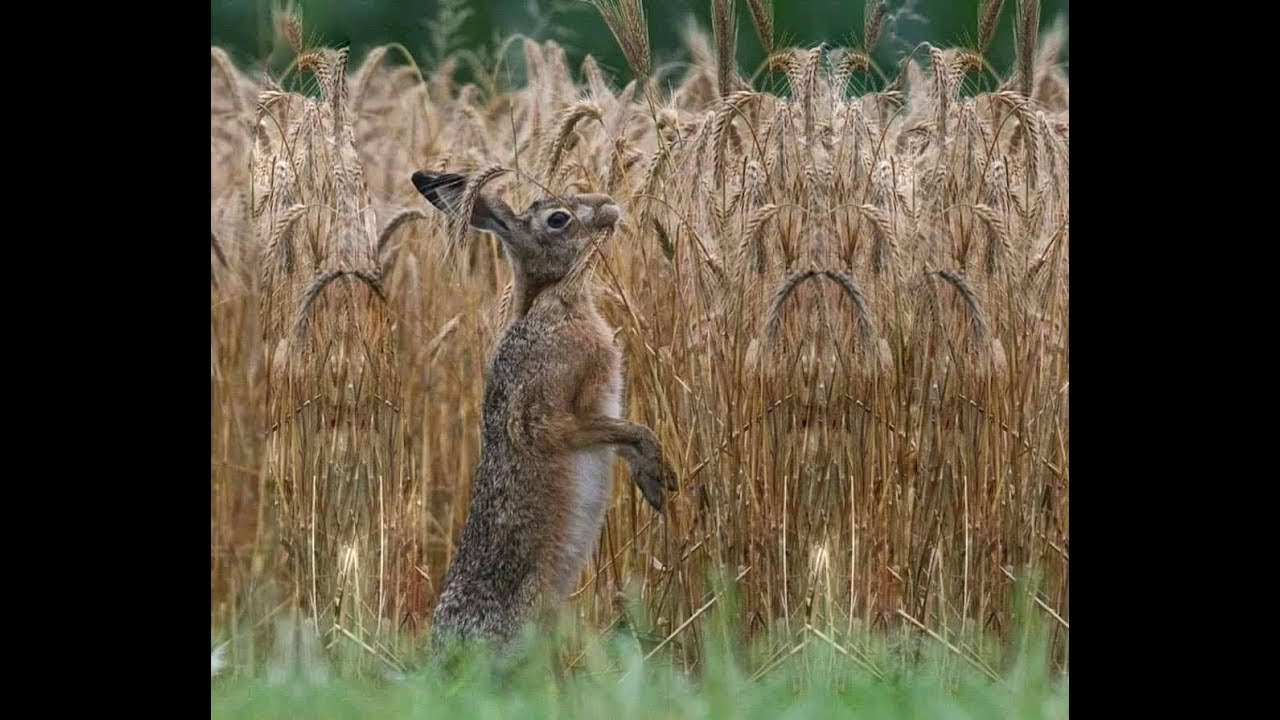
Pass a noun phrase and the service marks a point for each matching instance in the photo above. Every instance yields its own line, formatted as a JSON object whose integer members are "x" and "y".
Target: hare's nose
{"x": 608, "y": 214}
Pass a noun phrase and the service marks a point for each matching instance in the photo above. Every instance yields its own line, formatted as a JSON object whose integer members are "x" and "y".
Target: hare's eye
{"x": 558, "y": 219}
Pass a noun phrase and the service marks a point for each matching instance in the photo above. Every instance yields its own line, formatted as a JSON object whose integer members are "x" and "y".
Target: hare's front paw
{"x": 654, "y": 477}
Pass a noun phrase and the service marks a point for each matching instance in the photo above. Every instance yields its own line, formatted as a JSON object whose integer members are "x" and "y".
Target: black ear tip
{"x": 422, "y": 180}
{"x": 428, "y": 182}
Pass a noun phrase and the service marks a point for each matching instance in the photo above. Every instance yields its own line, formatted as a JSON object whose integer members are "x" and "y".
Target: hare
{"x": 551, "y": 422}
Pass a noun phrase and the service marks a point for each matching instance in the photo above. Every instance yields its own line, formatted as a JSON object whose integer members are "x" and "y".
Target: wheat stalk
{"x": 724, "y": 25}
{"x": 988, "y": 19}
{"x": 625, "y": 19}
{"x": 873, "y": 24}
{"x": 866, "y": 328}
{"x": 784, "y": 291}
{"x": 1028, "y": 30}
{"x": 762, "y": 19}
{"x": 321, "y": 282}
{"x": 461, "y": 218}
{"x": 569, "y": 118}
{"x": 976, "y": 319}
{"x": 364, "y": 75}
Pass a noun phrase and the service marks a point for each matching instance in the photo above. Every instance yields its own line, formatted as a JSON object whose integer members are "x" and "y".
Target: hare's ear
{"x": 445, "y": 190}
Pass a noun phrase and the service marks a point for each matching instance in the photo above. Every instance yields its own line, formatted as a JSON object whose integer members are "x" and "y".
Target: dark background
{"x": 244, "y": 28}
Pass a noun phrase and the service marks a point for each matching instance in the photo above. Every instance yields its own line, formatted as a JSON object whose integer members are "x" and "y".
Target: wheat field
{"x": 844, "y": 312}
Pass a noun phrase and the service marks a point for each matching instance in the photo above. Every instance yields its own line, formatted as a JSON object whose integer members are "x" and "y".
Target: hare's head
{"x": 543, "y": 242}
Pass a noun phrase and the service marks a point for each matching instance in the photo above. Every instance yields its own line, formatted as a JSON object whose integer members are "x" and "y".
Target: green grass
{"x": 830, "y": 674}
{"x": 811, "y": 687}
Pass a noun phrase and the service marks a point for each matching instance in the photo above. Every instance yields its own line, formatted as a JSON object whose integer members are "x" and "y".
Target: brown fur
{"x": 551, "y": 422}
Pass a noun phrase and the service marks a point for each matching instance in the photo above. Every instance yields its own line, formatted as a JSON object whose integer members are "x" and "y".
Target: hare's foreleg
{"x": 636, "y": 444}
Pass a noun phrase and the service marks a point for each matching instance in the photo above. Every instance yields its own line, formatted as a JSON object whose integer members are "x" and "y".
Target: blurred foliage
{"x": 474, "y": 29}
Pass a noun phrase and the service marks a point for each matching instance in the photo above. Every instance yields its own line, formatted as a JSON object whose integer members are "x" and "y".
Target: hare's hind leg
{"x": 637, "y": 445}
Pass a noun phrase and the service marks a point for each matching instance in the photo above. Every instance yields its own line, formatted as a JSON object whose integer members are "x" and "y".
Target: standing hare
{"x": 552, "y": 407}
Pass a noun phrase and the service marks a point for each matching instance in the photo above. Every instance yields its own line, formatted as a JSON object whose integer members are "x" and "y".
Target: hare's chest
{"x": 593, "y": 471}
{"x": 593, "y": 489}
{"x": 592, "y": 485}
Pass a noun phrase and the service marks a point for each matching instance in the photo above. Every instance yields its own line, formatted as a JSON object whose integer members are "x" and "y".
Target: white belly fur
{"x": 593, "y": 484}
